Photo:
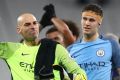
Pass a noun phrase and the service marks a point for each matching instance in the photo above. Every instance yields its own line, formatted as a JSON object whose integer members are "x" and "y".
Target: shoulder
{"x": 10, "y": 44}
{"x": 60, "y": 47}
{"x": 61, "y": 50}
{"x": 76, "y": 43}
{"x": 113, "y": 41}
{"x": 115, "y": 48}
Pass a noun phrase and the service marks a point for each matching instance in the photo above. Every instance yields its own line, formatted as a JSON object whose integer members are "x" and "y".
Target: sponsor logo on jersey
{"x": 93, "y": 65}
{"x": 27, "y": 67}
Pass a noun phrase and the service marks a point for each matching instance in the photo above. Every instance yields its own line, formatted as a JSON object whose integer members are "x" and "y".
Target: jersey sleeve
{"x": 115, "y": 53}
{"x": 67, "y": 62}
{"x": 7, "y": 49}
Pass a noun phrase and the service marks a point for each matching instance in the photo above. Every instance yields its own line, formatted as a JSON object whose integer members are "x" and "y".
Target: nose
{"x": 32, "y": 27}
{"x": 87, "y": 22}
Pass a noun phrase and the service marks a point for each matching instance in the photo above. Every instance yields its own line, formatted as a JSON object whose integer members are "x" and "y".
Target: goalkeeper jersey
{"x": 21, "y": 60}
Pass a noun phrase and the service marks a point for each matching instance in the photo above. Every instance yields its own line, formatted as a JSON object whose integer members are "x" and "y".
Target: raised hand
{"x": 48, "y": 15}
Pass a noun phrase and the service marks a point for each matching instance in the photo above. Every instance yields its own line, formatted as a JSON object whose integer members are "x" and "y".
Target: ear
{"x": 99, "y": 23}
{"x": 18, "y": 30}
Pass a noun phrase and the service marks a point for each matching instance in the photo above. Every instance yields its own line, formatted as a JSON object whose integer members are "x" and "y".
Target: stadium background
{"x": 65, "y": 9}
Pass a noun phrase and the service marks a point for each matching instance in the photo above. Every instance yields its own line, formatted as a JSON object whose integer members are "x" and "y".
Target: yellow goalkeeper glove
{"x": 80, "y": 77}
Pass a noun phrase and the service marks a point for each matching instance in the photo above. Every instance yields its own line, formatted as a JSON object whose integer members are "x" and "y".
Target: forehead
{"x": 93, "y": 15}
{"x": 26, "y": 18}
{"x": 89, "y": 13}
{"x": 29, "y": 18}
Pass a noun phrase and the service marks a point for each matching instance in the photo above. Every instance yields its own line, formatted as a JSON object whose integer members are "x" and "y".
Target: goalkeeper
{"x": 21, "y": 57}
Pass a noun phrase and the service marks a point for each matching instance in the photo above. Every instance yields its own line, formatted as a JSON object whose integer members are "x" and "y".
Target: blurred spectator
{"x": 68, "y": 29}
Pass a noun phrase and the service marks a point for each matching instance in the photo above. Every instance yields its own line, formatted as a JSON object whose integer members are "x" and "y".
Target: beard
{"x": 33, "y": 38}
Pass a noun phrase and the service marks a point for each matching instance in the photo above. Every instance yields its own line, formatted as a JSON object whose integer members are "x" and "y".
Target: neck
{"x": 32, "y": 43}
{"x": 88, "y": 38}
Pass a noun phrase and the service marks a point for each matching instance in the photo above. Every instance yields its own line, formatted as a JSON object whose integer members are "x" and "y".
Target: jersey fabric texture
{"x": 96, "y": 57}
{"x": 21, "y": 60}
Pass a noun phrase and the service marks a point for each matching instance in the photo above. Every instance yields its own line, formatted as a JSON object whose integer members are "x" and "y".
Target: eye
{"x": 35, "y": 22}
{"x": 91, "y": 20}
{"x": 27, "y": 24}
{"x": 84, "y": 18}
{"x": 56, "y": 38}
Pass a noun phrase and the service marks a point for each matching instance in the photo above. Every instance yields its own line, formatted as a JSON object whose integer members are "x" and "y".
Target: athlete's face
{"x": 56, "y": 36}
{"x": 90, "y": 23}
{"x": 29, "y": 27}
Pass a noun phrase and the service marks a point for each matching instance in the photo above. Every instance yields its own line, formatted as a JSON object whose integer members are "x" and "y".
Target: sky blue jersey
{"x": 96, "y": 57}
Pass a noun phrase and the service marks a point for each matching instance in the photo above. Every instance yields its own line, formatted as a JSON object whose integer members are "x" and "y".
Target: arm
{"x": 68, "y": 63}
{"x": 3, "y": 49}
{"x": 115, "y": 57}
{"x": 49, "y": 18}
{"x": 7, "y": 49}
{"x": 64, "y": 29}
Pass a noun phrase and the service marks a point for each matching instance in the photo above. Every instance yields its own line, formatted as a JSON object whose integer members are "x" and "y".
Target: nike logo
{"x": 24, "y": 54}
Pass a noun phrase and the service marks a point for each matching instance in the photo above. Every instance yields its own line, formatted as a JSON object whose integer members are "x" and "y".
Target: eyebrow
{"x": 29, "y": 23}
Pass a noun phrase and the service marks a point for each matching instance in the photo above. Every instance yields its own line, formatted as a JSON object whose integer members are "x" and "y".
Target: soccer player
{"x": 93, "y": 52}
{"x": 21, "y": 57}
{"x": 65, "y": 29}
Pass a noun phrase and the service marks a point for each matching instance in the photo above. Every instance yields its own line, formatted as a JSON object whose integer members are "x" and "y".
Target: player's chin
{"x": 33, "y": 36}
{"x": 86, "y": 32}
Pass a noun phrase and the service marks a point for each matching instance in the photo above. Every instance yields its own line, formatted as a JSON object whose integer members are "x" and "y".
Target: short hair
{"x": 73, "y": 27}
{"x": 52, "y": 29}
{"x": 94, "y": 8}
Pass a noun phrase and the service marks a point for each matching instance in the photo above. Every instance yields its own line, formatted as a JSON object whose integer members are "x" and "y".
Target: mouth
{"x": 86, "y": 28}
{"x": 32, "y": 33}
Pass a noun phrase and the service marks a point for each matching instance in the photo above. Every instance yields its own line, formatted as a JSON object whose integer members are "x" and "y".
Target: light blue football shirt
{"x": 96, "y": 57}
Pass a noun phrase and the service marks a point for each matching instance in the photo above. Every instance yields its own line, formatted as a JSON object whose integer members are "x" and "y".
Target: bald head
{"x": 25, "y": 17}
{"x": 28, "y": 27}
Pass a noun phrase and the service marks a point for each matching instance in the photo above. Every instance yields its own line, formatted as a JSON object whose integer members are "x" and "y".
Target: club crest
{"x": 100, "y": 52}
